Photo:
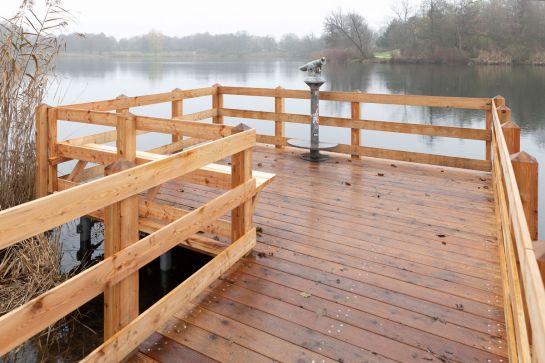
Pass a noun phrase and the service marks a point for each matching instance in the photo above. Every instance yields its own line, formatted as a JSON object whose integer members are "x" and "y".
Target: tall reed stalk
{"x": 28, "y": 46}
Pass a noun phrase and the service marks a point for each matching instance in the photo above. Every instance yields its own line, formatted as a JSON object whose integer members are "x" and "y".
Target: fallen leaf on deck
{"x": 441, "y": 235}
{"x": 321, "y": 312}
{"x": 380, "y": 174}
{"x": 347, "y": 183}
{"x": 306, "y": 295}
{"x": 393, "y": 165}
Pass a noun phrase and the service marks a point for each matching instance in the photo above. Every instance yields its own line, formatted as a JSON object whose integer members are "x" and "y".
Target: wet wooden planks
{"x": 358, "y": 261}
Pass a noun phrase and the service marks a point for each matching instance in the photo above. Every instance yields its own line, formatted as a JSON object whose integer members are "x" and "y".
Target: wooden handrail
{"x": 375, "y": 125}
{"x": 146, "y": 123}
{"x": 40, "y": 215}
{"x": 392, "y": 99}
{"x": 128, "y": 102}
{"x": 515, "y": 229}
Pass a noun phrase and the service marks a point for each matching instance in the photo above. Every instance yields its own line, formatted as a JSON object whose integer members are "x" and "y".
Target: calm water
{"x": 83, "y": 80}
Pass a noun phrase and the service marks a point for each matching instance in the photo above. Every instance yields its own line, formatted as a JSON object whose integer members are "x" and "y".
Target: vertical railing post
{"x": 279, "y": 126}
{"x": 120, "y": 231}
{"x": 355, "y": 133}
{"x": 241, "y": 171}
{"x": 52, "y": 150}
{"x": 526, "y": 168}
{"x": 42, "y": 162}
{"x": 217, "y": 104}
{"x": 489, "y": 128}
{"x": 177, "y": 111}
{"x": 511, "y": 131}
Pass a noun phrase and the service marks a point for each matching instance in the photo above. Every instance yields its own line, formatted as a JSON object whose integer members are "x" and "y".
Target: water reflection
{"x": 85, "y": 79}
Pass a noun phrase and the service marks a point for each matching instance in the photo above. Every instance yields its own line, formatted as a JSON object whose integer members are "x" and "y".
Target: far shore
{"x": 379, "y": 57}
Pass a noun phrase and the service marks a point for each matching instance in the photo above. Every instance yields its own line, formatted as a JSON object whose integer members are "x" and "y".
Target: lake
{"x": 89, "y": 79}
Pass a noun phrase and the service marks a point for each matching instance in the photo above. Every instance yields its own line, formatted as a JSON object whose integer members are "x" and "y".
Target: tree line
{"x": 485, "y": 31}
{"x": 235, "y": 44}
{"x": 442, "y": 31}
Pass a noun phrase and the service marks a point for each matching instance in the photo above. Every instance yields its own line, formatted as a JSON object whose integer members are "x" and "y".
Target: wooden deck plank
{"x": 341, "y": 274}
{"x": 344, "y": 314}
{"x": 436, "y": 249}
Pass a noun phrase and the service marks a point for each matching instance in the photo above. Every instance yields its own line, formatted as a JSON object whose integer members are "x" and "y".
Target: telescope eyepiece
{"x": 314, "y": 68}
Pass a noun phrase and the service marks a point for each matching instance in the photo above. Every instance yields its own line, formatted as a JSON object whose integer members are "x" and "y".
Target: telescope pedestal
{"x": 314, "y": 154}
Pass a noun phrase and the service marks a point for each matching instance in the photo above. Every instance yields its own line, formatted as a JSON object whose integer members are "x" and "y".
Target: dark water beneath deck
{"x": 83, "y": 80}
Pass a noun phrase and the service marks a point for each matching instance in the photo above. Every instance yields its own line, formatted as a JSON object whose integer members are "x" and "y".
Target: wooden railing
{"x": 134, "y": 189}
{"x": 123, "y": 197}
{"x": 356, "y": 123}
{"x": 524, "y": 296}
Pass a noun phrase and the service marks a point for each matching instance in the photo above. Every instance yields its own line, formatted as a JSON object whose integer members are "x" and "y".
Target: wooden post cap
{"x": 500, "y": 100}
{"x": 504, "y": 113}
{"x": 511, "y": 131}
{"x": 523, "y": 157}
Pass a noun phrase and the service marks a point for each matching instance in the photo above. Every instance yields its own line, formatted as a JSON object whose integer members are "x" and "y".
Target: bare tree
{"x": 403, "y": 10}
{"x": 351, "y": 30}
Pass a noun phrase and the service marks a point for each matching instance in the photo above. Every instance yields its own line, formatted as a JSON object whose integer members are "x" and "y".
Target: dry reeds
{"x": 28, "y": 46}
{"x": 29, "y": 269}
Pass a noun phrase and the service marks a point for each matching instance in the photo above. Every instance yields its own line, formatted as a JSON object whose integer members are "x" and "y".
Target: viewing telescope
{"x": 314, "y": 68}
{"x": 314, "y": 81}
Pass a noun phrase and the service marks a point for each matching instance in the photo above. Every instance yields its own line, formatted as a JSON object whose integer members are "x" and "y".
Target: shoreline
{"x": 191, "y": 57}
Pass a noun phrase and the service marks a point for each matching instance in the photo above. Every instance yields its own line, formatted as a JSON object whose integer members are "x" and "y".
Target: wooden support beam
{"x": 217, "y": 103}
{"x": 52, "y": 149}
{"x": 355, "y": 133}
{"x": 511, "y": 132}
{"x": 80, "y": 165}
{"x": 42, "y": 160}
{"x": 121, "y": 231}
{"x": 177, "y": 110}
{"x": 526, "y": 169}
{"x": 279, "y": 125}
{"x": 241, "y": 172}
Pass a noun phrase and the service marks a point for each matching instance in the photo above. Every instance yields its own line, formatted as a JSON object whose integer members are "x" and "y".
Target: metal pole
{"x": 85, "y": 249}
{"x": 314, "y": 121}
{"x": 165, "y": 261}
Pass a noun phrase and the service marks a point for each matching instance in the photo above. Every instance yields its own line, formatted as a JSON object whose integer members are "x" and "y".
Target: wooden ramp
{"x": 365, "y": 260}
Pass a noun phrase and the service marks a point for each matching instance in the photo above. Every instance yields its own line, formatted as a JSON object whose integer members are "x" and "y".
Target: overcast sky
{"x": 122, "y": 18}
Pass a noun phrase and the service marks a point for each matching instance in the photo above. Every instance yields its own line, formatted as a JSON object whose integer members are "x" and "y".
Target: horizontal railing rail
{"x": 524, "y": 294}
{"x": 393, "y": 99}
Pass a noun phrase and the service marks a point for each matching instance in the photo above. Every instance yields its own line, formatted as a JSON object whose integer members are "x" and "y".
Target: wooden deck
{"x": 357, "y": 261}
